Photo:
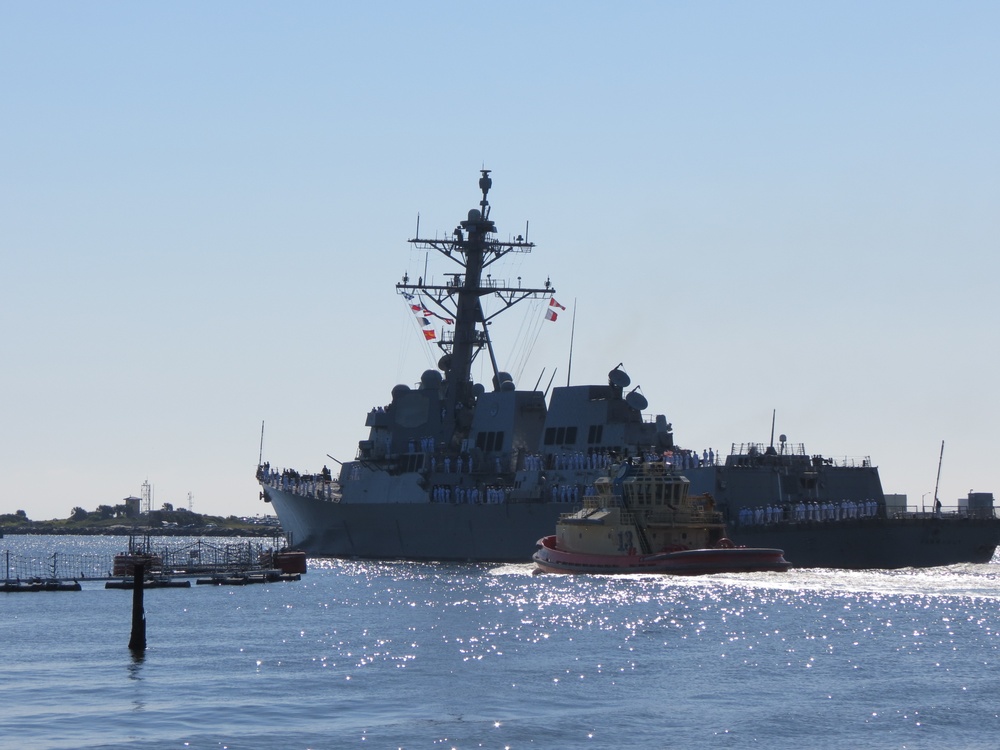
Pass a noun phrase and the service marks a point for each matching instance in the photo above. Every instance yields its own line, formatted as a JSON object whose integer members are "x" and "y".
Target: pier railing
{"x": 196, "y": 558}
{"x": 58, "y": 565}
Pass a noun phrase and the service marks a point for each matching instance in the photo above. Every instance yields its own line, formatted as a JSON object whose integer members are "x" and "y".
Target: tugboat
{"x": 453, "y": 469}
{"x": 644, "y": 521}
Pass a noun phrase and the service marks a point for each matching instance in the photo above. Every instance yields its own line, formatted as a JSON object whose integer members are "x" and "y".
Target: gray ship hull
{"x": 878, "y": 543}
{"x": 508, "y": 532}
{"x": 501, "y": 532}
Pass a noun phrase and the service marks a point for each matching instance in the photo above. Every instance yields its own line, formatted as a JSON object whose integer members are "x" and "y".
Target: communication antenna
{"x": 260, "y": 455}
{"x": 540, "y": 375}
{"x": 572, "y": 336}
{"x": 550, "y": 381}
{"x": 938, "y": 482}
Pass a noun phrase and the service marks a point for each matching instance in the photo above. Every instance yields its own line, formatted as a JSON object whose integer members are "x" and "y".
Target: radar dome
{"x": 478, "y": 390}
{"x": 430, "y": 379}
{"x": 444, "y": 364}
{"x": 507, "y": 386}
{"x": 399, "y": 389}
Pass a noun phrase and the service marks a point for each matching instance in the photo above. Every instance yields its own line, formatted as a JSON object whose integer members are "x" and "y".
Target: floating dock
{"x": 51, "y": 584}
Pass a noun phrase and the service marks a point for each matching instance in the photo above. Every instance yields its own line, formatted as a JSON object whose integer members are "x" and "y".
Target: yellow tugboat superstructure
{"x": 643, "y": 519}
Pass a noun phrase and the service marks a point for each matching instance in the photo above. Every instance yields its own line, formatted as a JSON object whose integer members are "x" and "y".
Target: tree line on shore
{"x": 108, "y": 518}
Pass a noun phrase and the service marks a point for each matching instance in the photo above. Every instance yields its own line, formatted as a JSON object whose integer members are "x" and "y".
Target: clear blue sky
{"x": 204, "y": 209}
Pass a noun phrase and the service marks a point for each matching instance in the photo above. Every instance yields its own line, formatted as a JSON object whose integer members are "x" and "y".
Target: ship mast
{"x": 938, "y": 481}
{"x": 474, "y": 247}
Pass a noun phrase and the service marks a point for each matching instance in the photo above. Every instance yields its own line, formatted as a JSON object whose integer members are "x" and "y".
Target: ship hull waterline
{"x": 509, "y": 532}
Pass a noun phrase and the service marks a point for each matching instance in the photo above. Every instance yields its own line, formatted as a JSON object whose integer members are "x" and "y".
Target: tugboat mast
{"x": 474, "y": 247}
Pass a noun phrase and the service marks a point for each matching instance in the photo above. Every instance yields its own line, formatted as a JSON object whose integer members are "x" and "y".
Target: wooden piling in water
{"x": 138, "y": 640}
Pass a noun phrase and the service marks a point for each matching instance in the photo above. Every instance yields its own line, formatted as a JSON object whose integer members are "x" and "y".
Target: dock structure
{"x": 59, "y": 566}
{"x": 164, "y": 565}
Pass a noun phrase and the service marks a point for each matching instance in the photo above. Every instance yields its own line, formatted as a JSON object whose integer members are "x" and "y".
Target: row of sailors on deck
{"x": 690, "y": 459}
{"x": 565, "y": 493}
{"x": 802, "y": 511}
{"x": 313, "y": 485}
{"x": 574, "y": 460}
{"x": 561, "y": 493}
{"x": 599, "y": 459}
{"x": 469, "y": 495}
{"x": 681, "y": 459}
{"x": 603, "y": 459}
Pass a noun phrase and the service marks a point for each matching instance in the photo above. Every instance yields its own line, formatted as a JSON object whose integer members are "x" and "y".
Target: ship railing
{"x": 747, "y": 454}
{"x": 947, "y": 511}
{"x": 790, "y": 516}
{"x": 306, "y": 485}
{"x": 759, "y": 449}
{"x": 849, "y": 462}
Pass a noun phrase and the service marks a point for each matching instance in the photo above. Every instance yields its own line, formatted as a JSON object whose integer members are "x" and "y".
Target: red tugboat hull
{"x": 693, "y": 562}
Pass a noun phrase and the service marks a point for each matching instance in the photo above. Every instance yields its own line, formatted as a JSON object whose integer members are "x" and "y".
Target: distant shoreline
{"x": 268, "y": 531}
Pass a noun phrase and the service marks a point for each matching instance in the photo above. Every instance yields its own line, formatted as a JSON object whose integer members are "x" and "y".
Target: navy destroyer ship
{"x": 455, "y": 470}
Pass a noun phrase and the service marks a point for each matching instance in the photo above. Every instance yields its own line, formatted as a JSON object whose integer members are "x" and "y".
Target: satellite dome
{"x": 398, "y": 389}
{"x": 430, "y": 379}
